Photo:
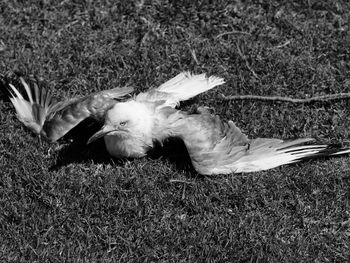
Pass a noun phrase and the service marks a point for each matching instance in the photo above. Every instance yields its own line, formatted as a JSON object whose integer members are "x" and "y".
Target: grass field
{"x": 68, "y": 202}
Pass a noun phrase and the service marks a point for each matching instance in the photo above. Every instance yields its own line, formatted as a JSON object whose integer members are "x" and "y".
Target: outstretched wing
{"x": 219, "y": 148}
{"x": 51, "y": 119}
{"x": 180, "y": 88}
{"x": 65, "y": 116}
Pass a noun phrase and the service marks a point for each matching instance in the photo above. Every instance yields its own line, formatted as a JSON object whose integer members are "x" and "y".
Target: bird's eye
{"x": 122, "y": 123}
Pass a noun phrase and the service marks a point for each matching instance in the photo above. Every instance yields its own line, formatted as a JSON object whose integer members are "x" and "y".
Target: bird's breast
{"x": 119, "y": 147}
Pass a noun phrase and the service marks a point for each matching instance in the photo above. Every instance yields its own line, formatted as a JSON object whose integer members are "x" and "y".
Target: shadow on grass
{"x": 77, "y": 151}
{"x": 174, "y": 150}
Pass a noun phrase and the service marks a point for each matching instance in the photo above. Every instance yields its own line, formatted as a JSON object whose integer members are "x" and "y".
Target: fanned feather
{"x": 185, "y": 85}
{"x": 52, "y": 119}
{"x": 180, "y": 88}
{"x": 218, "y": 148}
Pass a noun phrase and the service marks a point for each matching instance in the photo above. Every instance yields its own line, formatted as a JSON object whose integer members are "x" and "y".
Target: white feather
{"x": 29, "y": 93}
{"x": 271, "y": 158}
{"x": 22, "y": 107}
{"x": 185, "y": 85}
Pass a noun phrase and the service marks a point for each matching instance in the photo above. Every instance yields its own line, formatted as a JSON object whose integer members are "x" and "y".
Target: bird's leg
{"x": 201, "y": 110}
{"x": 205, "y": 110}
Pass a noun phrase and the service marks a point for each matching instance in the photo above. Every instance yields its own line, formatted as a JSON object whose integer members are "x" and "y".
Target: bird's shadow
{"x": 174, "y": 150}
{"x": 77, "y": 151}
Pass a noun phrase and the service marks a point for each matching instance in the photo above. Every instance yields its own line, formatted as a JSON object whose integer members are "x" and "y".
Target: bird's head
{"x": 125, "y": 119}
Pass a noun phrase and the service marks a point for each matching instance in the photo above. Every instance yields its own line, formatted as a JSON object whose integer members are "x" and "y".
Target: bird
{"x": 132, "y": 126}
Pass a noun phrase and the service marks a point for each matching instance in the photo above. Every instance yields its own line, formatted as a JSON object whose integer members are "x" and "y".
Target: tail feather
{"x": 185, "y": 85}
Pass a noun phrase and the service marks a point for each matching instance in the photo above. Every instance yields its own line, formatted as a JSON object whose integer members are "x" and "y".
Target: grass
{"x": 71, "y": 202}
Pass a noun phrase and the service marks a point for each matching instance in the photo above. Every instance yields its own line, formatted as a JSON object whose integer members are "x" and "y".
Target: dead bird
{"x": 131, "y": 127}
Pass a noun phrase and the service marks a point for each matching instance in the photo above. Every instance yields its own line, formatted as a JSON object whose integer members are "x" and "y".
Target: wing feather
{"x": 180, "y": 88}
{"x": 42, "y": 114}
{"x": 221, "y": 148}
{"x": 64, "y": 116}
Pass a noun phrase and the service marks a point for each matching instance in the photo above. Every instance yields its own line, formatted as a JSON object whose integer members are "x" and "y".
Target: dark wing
{"x": 40, "y": 113}
{"x": 62, "y": 117}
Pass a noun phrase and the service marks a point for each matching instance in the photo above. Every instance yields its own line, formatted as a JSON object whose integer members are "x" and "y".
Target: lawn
{"x": 69, "y": 202}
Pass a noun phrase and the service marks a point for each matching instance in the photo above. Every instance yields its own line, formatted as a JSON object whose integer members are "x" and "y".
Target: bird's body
{"x": 133, "y": 126}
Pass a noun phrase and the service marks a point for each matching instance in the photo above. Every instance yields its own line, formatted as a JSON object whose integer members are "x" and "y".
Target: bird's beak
{"x": 99, "y": 134}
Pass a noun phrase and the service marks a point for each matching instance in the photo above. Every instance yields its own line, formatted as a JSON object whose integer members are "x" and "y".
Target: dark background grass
{"x": 70, "y": 202}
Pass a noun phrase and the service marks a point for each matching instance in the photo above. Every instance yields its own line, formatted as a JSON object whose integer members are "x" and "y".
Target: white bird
{"x": 132, "y": 127}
